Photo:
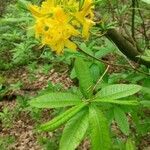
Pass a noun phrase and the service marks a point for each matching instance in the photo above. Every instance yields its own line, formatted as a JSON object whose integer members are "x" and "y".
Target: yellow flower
{"x": 85, "y": 17}
{"x": 57, "y": 21}
{"x": 55, "y": 31}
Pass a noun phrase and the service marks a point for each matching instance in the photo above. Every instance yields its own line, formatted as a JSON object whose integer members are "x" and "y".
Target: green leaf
{"x": 61, "y": 119}
{"x": 74, "y": 131}
{"x": 146, "y": 1}
{"x": 99, "y": 130}
{"x": 84, "y": 77}
{"x": 95, "y": 72}
{"x": 121, "y": 119}
{"x": 53, "y": 100}
{"x": 130, "y": 145}
{"x": 145, "y": 103}
{"x": 73, "y": 74}
{"x": 120, "y": 102}
{"x": 117, "y": 91}
{"x": 145, "y": 90}
{"x": 23, "y": 4}
{"x": 104, "y": 50}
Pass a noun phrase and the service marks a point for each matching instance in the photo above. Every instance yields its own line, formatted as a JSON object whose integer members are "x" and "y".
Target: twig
{"x": 133, "y": 19}
{"x": 134, "y": 68}
{"x": 101, "y": 77}
{"x": 103, "y": 61}
{"x": 117, "y": 65}
{"x": 143, "y": 25}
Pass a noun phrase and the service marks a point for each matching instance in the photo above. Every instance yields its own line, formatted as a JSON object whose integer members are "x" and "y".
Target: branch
{"x": 125, "y": 47}
{"x": 103, "y": 61}
{"x": 131, "y": 67}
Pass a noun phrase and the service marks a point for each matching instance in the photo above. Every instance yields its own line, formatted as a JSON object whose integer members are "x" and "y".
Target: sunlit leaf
{"x": 53, "y": 100}
{"x": 121, "y": 119}
{"x": 120, "y": 102}
{"x": 117, "y": 91}
{"x": 61, "y": 119}
{"x": 99, "y": 131}
{"x": 84, "y": 77}
{"x": 74, "y": 131}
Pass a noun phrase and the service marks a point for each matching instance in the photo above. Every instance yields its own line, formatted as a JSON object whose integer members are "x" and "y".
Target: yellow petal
{"x": 35, "y": 10}
{"x": 69, "y": 44}
{"x": 86, "y": 7}
{"x": 50, "y": 3}
{"x": 72, "y": 30}
{"x": 86, "y": 26}
{"x": 58, "y": 47}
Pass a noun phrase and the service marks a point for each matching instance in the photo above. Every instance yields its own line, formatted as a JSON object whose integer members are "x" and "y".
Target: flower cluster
{"x": 59, "y": 20}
